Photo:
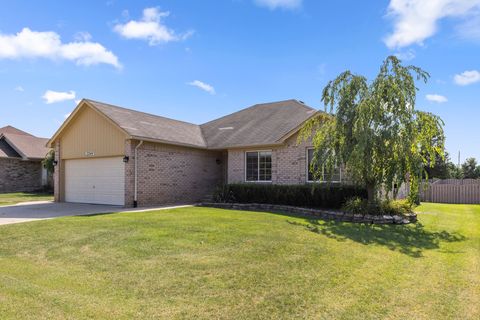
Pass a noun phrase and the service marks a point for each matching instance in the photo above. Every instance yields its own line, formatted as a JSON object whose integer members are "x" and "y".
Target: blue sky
{"x": 198, "y": 60}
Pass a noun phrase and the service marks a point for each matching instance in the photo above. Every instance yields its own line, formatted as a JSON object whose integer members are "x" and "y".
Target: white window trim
{"x": 307, "y": 169}
{"x": 258, "y": 164}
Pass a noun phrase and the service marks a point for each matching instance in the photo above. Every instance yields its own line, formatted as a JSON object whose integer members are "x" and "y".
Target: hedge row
{"x": 309, "y": 195}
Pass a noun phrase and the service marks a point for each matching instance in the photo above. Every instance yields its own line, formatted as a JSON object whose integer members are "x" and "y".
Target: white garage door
{"x": 99, "y": 181}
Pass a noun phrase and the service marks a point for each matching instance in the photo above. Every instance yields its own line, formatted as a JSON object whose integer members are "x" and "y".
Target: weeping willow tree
{"x": 374, "y": 130}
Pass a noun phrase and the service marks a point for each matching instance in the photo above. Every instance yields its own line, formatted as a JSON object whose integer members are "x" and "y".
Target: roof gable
{"x": 6, "y": 150}
{"x": 27, "y": 146}
{"x": 15, "y": 143}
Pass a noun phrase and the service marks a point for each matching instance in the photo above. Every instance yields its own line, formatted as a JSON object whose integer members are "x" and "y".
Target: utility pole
{"x": 459, "y": 158}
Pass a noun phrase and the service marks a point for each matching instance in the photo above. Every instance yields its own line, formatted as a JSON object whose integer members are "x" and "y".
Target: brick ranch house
{"x": 21, "y": 155}
{"x": 111, "y": 155}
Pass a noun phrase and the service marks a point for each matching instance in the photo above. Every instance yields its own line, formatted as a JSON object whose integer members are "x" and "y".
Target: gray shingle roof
{"x": 6, "y": 151}
{"x": 261, "y": 124}
{"x": 10, "y": 129}
{"x": 144, "y": 125}
{"x": 26, "y": 145}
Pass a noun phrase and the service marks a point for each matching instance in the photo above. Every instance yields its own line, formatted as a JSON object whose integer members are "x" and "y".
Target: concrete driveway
{"x": 40, "y": 210}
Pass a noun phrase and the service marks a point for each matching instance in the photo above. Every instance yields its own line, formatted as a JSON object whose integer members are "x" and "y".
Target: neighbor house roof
{"x": 6, "y": 151}
{"x": 10, "y": 129}
{"x": 261, "y": 124}
{"x": 17, "y": 143}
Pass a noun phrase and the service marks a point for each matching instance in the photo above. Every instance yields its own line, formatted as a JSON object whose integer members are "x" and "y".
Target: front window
{"x": 258, "y": 166}
{"x": 324, "y": 176}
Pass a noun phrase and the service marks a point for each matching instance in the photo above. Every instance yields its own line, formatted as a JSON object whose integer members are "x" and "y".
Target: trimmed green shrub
{"x": 307, "y": 195}
{"x": 397, "y": 207}
{"x": 357, "y": 205}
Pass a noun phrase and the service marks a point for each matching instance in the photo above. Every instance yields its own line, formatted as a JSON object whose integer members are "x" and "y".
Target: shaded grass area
{"x": 209, "y": 263}
{"x": 411, "y": 240}
{"x": 17, "y": 197}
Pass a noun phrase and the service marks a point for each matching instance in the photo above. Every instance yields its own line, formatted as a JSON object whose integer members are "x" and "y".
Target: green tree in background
{"x": 375, "y": 130}
{"x": 470, "y": 169}
{"x": 454, "y": 171}
{"x": 444, "y": 168}
{"x": 48, "y": 161}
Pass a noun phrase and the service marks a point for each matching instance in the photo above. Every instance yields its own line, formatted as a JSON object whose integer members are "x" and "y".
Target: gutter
{"x": 248, "y": 146}
{"x": 170, "y": 143}
{"x": 135, "y": 203}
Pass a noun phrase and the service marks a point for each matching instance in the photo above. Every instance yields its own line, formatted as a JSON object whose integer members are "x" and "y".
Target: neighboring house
{"x": 111, "y": 155}
{"x": 20, "y": 161}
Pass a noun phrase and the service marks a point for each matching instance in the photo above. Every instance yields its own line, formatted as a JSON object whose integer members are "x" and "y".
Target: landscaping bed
{"x": 321, "y": 213}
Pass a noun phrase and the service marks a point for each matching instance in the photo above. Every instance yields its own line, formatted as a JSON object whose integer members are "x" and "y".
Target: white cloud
{"x": 275, "y": 4}
{"x": 416, "y": 20}
{"x": 467, "y": 77}
{"x": 406, "y": 55}
{"x": 19, "y": 89}
{"x": 202, "y": 85}
{"x": 470, "y": 29}
{"x": 83, "y": 36}
{"x": 436, "y": 98}
{"x": 56, "y": 96}
{"x": 151, "y": 28}
{"x": 33, "y": 44}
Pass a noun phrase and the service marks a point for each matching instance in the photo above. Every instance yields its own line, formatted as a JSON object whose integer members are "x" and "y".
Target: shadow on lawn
{"x": 90, "y": 215}
{"x": 411, "y": 239}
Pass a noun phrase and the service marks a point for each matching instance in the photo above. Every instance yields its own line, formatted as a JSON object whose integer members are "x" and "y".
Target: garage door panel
{"x": 99, "y": 181}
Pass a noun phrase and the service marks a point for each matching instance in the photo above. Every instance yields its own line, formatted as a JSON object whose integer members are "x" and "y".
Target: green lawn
{"x": 17, "y": 197}
{"x": 201, "y": 263}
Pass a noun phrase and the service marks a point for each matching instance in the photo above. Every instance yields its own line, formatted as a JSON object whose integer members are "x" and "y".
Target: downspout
{"x": 135, "y": 204}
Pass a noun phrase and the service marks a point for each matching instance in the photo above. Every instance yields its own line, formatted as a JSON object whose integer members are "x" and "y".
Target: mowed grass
{"x": 202, "y": 263}
{"x": 17, "y": 197}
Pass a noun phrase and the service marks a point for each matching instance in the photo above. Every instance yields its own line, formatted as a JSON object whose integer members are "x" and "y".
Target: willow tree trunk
{"x": 371, "y": 192}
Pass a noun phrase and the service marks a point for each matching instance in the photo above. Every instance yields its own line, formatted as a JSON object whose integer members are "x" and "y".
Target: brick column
{"x": 57, "y": 187}
{"x": 130, "y": 172}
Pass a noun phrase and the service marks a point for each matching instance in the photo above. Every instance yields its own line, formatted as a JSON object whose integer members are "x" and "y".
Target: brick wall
{"x": 291, "y": 162}
{"x": 170, "y": 174}
{"x": 288, "y": 163}
{"x": 17, "y": 175}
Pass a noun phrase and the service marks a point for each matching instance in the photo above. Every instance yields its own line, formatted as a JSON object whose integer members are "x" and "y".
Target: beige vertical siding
{"x": 90, "y": 135}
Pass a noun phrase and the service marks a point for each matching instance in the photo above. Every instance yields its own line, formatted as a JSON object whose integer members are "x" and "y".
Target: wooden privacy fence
{"x": 457, "y": 191}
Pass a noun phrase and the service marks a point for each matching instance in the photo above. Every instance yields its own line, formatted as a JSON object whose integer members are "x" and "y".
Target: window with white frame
{"x": 324, "y": 176}
{"x": 258, "y": 166}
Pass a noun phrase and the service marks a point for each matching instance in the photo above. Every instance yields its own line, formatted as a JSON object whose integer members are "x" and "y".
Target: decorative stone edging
{"x": 321, "y": 213}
